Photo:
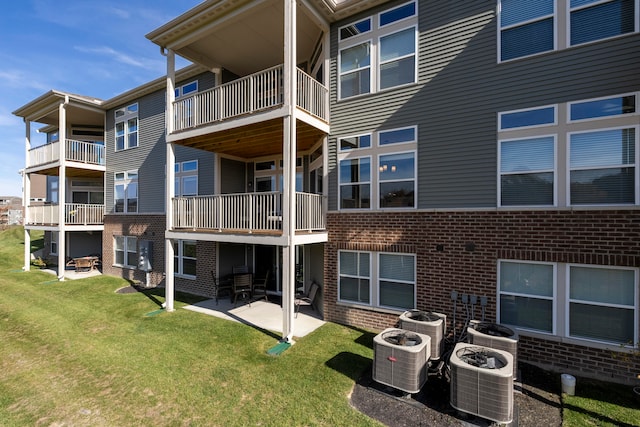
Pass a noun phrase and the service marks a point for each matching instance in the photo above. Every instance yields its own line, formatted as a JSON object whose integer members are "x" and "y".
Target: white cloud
{"x": 118, "y": 56}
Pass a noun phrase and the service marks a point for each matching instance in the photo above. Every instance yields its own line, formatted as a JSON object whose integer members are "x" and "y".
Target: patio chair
{"x": 306, "y": 299}
{"x": 260, "y": 287}
{"x": 242, "y": 287}
{"x": 220, "y": 285}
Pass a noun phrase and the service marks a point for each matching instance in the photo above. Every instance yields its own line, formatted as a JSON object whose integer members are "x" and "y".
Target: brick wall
{"x": 143, "y": 227}
{"x": 458, "y": 250}
{"x": 206, "y": 263}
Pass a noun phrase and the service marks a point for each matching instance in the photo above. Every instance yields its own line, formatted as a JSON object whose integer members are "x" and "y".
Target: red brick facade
{"x": 459, "y": 250}
{"x": 152, "y": 227}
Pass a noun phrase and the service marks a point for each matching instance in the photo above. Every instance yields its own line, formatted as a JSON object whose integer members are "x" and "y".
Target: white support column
{"x": 171, "y": 90}
{"x": 168, "y": 243}
{"x": 62, "y": 188}
{"x": 26, "y": 196}
{"x": 289, "y": 172}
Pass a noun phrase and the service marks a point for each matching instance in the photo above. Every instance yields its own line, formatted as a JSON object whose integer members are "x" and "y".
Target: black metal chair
{"x": 242, "y": 287}
{"x": 260, "y": 287}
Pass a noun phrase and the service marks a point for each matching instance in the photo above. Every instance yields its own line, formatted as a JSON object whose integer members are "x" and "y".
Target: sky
{"x": 95, "y": 48}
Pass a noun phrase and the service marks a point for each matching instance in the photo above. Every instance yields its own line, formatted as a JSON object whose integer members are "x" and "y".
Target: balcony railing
{"x": 250, "y": 94}
{"x": 74, "y": 214}
{"x": 75, "y": 151}
{"x": 247, "y": 212}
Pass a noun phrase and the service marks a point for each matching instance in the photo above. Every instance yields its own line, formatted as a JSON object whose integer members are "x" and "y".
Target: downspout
{"x": 62, "y": 190}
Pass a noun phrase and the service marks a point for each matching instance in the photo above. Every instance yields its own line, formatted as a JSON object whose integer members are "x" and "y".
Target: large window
{"x": 378, "y": 170}
{"x": 185, "y": 261}
{"x": 378, "y": 53}
{"x": 529, "y": 27}
{"x": 125, "y": 251}
{"x": 379, "y": 279}
{"x": 126, "y": 191}
{"x": 126, "y": 127}
{"x": 593, "y": 145}
{"x": 186, "y": 178}
{"x": 584, "y": 302}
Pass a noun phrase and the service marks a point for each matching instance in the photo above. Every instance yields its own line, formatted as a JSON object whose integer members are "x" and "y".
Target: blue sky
{"x": 89, "y": 47}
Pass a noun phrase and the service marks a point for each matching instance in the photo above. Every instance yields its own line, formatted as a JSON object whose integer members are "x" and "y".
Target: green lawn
{"x": 77, "y": 353}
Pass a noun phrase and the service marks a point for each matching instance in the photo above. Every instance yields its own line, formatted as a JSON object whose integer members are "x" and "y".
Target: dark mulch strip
{"x": 537, "y": 403}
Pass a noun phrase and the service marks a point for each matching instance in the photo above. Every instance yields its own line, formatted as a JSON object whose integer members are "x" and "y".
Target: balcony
{"x": 246, "y": 213}
{"x": 87, "y": 153}
{"x": 74, "y": 214}
{"x": 248, "y": 95}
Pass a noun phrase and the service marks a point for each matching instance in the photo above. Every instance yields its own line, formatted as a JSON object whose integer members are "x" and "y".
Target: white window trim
{"x": 126, "y": 181}
{"x": 181, "y": 257}
{"x": 379, "y": 63}
{"x": 635, "y": 166}
{"x": 180, "y": 89}
{"x": 373, "y": 152}
{"x": 563, "y": 131}
{"x": 180, "y": 176}
{"x": 374, "y": 280}
{"x": 591, "y": 119}
{"x": 126, "y": 250}
{"x": 554, "y": 298}
{"x": 635, "y": 307}
{"x": 561, "y": 36}
{"x": 561, "y": 301}
{"x": 554, "y": 170}
{"x": 522, "y": 110}
{"x": 124, "y": 119}
{"x": 373, "y": 37}
{"x": 370, "y": 182}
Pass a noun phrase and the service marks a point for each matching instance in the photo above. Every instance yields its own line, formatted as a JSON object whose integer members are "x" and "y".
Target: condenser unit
{"x": 427, "y": 323}
{"x": 495, "y": 336}
{"x": 400, "y": 359}
{"x": 482, "y": 382}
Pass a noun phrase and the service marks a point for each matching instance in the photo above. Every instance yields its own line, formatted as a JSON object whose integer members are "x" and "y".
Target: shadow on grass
{"x": 349, "y": 364}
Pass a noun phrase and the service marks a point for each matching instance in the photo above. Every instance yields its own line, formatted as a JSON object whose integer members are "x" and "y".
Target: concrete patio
{"x": 260, "y": 314}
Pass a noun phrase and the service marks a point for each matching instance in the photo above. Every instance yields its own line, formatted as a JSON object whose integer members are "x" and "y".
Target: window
{"x": 355, "y": 281}
{"x": 126, "y": 192}
{"x": 377, "y": 279}
{"x": 602, "y": 304}
{"x": 527, "y": 172}
{"x": 268, "y": 175}
{"x": 186, "y": 180}
{"x": 602, "y": 167}
{"x": 595, "y": 20}
{"x": 54, "y": 243}
{"x": 355, "y": 183}
{"x": 126, "y": 127}
{"x": 378, "y": 54}
{"x": 392, "y": 154}
{"x": 584, "y": 302}
{"x": 526, "y": 295}
{"x": 125, "y": 252}
{"x": 186, "y": 89}
{"x": 526, "y": 27}
{"x": 185, "y": 258}
{"x": 588, "y": 159}
{"x": 529, "y": 27}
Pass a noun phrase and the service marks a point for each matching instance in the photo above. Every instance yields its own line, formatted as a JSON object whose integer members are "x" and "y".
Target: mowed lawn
{"x": 76, "y": 353}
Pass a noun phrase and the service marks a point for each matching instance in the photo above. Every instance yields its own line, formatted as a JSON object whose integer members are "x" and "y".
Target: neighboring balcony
{"x": 246, "y": 213}
{"x": 86, "y": 153}
{"x": 248, "y": 95}
{"x": 74, "y": 214}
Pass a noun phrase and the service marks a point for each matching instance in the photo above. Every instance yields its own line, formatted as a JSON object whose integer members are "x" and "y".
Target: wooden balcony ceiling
{"x": 257, "y": 140}
{"x": 72, "y": 172}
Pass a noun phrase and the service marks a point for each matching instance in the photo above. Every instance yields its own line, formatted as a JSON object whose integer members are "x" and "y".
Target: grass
{"x": 77, "y": 353}
{"x": 600, "y": 404}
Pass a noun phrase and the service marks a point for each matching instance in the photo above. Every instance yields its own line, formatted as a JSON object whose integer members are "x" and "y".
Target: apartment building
{"x": 326, "y": 141}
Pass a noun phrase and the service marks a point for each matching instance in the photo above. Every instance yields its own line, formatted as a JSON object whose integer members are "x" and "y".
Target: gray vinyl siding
{"x": 149, "y": 157}
{"x": 461, "y": 88}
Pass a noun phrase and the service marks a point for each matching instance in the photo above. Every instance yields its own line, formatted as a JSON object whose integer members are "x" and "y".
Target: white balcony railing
{"x": 247, "y": 212}
{"x": 75, "y": 151}
{"x": 250, "y": 94}
{"x": 74, "y": 214}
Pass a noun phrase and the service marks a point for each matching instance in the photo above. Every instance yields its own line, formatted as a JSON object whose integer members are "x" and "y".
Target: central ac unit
{"x": 427, "y": 323}
{"x": 400, "y": 359}
{"x": 482, "y": 382}
{"x": 495, "y": 336}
